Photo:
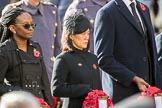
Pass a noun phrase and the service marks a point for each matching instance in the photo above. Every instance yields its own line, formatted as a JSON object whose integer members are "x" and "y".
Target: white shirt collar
{"x": 128, "y": 2}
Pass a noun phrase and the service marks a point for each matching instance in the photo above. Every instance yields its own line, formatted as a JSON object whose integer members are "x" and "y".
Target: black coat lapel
{"x": 144, "y": 15}
{"x": 127, "y": 14}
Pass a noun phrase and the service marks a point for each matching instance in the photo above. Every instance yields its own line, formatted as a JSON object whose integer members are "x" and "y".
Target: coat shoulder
{"x": 35, "y": 44}
{"x": 48, "y": 4}
{"x": 64, "y": 54}
{"x": 92, "y": 54}
{"x": 5, "y": 46}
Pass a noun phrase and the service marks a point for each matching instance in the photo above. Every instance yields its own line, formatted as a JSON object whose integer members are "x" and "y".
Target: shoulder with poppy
{"x": 142, "y": 6}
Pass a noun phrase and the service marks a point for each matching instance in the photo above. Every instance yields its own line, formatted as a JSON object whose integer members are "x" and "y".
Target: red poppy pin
{"x": 36, "y": 53}
{"x": 143, "y": 7}
{"x": 94, "y": 66}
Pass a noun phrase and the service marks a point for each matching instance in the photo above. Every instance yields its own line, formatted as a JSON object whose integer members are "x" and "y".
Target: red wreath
{"x": 91, "y": 101}
{"x": 150, "y": 91}
{"x": 43, "y": 103}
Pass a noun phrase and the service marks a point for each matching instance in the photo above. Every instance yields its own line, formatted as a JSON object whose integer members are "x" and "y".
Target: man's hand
{"x": 142, "y": 85}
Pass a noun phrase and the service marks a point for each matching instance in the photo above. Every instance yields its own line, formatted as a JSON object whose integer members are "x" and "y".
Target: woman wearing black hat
{"x": 75, "y": 70}
{"x": 21, "y": 61}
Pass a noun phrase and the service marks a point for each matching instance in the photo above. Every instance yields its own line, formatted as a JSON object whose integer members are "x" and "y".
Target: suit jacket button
{"x": 144, "y": 58}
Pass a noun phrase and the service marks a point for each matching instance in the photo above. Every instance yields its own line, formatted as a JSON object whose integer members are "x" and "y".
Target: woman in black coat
{"x": 21, "y": 62}
{"x": 75, "y": 70}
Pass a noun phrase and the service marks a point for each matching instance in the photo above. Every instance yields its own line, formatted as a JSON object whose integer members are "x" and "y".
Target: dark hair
{"x": 155, "y": 7}
{"x": 6, "y": 20}
{"x": 74, "y": 23}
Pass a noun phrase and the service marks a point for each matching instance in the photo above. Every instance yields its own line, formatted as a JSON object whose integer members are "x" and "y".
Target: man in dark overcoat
{"x": 126, "y": 48}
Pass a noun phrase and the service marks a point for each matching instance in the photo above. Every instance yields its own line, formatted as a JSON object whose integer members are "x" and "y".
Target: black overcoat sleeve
{"x": 4, "y": 67}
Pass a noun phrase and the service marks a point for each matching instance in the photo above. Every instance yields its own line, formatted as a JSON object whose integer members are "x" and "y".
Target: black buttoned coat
{"x": 74, "y": 75}
{"x": 21, "y": 70}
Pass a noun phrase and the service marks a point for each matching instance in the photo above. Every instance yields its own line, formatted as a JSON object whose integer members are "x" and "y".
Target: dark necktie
{"x": 136, "y": 16}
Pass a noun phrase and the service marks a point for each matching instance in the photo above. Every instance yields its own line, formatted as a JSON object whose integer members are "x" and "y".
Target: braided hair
{"x": 6, "y": 20}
